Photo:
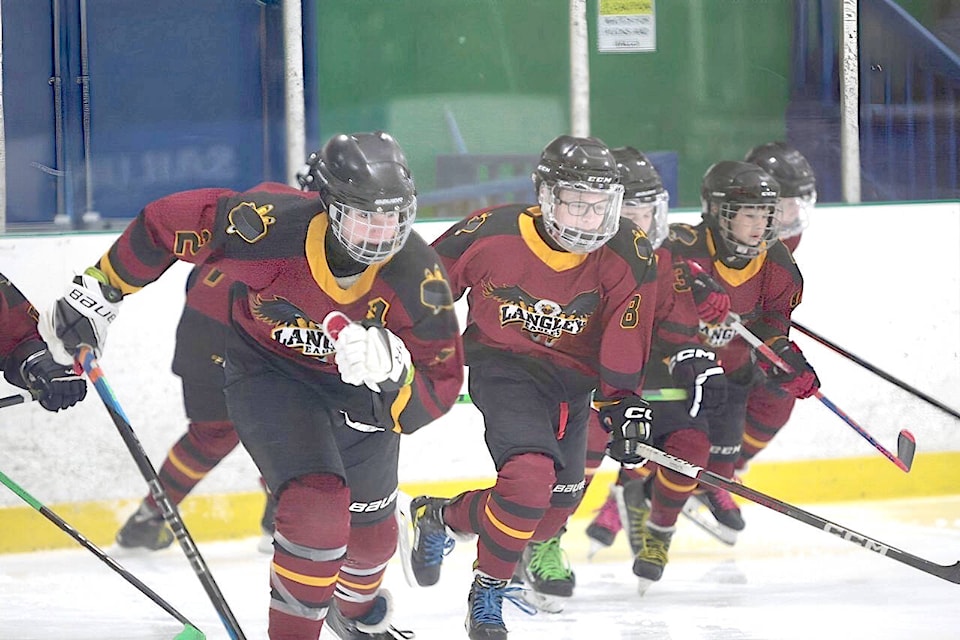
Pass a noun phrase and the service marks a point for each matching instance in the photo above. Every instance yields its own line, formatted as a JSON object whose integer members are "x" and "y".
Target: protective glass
{"x": 371, "y": 237}
{"x": 794, "y": 214}
{"x": 650, "y": 215}
{"x": 578, "y": 217}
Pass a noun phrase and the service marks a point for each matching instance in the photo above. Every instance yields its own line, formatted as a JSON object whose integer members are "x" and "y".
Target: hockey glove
{"x": 802, "y": 381}
{"x": 712, "y": 300}
{"x": 373, "y": 356}
{"x": 81, "y": 317}
{"x": 628, "y": 423}
{"x": 698, "y": 371}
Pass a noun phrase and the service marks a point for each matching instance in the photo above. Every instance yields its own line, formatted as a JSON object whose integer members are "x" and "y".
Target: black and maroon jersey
{"x": 676, "y": 323}
{"x": 271, "y": 241}
{"x": 18, "y": 319}
{"x": 586, "y": 317}
{"x": 201, "y": 333}
{"x": 763, "y": 293}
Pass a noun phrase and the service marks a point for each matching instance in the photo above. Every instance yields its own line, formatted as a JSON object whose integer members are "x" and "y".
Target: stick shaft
{"x": 874, "y": 369}
{"x": 15, "y": 399}
{"x": 950, "y": 573}
{"x": 92, "y": 548}
{"x": 172, "y": 517}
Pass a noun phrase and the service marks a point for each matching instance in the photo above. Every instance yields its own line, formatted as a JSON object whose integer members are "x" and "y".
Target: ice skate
{"x": 633, "y": 505}
{"x": 714, "y": 511}
{"x": 485, "y": 607}
{"x": 603, "y": 530}
{"x": 374, "y": 625}
{"x": 546, "y": 573}
{"x": 145, "y": 529}
{"x": 431, "y": 539}
{"x": 650, "y": 561}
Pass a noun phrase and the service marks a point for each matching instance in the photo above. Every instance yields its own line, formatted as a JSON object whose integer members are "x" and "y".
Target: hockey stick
{"x": 950, "y": 573}
{"x": 17, "y": 398}
{"x": 190, "y": 632}
{"x": 873, "y": 369}
{"x": 88, "y": 363}
{"x": 906, "y": 443}
{"x": 670, "y": 394}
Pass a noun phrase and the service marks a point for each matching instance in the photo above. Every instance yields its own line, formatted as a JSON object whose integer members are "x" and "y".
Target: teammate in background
{"x": 321, "y": 416}
{"x": 681, "y": 301}
{"x": 768, "y": 406}
{"x": 737, "y": 245}
{"x": 198, "y": 360}
{"x": 561, "y": 299}
{"x": 24, "y": 357}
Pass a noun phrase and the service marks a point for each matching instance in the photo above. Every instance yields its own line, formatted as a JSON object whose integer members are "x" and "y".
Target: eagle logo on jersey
{"x": 473, "y": 223}
{"x": 291, "y": 327}
{"x": 545, "y": 320}
{"x": 435, "y": 291}
{"x": 249, "y": 221}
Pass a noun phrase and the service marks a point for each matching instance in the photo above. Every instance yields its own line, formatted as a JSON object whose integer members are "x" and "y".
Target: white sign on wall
{"x": 625, "y": 26}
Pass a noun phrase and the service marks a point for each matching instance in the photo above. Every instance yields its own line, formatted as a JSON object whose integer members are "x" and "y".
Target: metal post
{"x": 89, "y": 216}
{"x": 294, "y": 105}
{"x": 850, "y": 104}
{"x": 579, "y": 70}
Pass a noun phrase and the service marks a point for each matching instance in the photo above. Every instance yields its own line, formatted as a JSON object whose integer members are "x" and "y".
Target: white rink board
{"x": 882, "y": 281}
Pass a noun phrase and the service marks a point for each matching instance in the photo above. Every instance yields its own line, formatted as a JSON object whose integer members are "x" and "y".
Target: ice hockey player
{"x": 321, "y": 415}
{"x": 561, "y": 299}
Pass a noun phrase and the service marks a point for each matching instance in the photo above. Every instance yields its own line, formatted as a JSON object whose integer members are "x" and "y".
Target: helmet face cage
{"x": 579, "y": 217}
{"x": 738, "y": 219}
{"x": 370, "y": 237}
{"x": 794, "y": 213}
{"x": 650, "y": 214}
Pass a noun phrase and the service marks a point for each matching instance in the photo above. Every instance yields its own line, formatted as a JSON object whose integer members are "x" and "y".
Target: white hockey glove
{"x": 81, "y": 317}
{"x": 373, "y": 356}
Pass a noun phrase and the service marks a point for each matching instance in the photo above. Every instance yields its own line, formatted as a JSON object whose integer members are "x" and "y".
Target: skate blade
{"x": 643, "y": 584}
{"x": 700, "y": 515}
{"x": 595, "y": 546}
{"x": 544, "y": 602}
{"x": 405, "y": 539}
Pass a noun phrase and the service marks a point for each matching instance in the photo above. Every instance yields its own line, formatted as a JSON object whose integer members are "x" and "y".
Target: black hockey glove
{"x": 54, "y": 385}
{"x": 81, "y": 317}
{"x": 628, "y": 423}
{"x": 698, "y": 371}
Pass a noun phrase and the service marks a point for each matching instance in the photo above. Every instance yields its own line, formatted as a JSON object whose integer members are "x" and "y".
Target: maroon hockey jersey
{"x": 763, "y": 293}
{"x": 18, "y": 319}
{"x": 271, "y": 241}
{"x": 587, "y": 316}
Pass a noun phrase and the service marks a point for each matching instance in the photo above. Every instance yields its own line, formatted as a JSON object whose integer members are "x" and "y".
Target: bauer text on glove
{"x": 81, "y": 317}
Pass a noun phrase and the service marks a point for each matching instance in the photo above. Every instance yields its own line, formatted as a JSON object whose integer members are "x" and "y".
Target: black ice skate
{"x": 544, "y": 569}
{"x": 714, "y": 511}
{"x": 485, "y": 607}
{"x": 634, "y": 506}
{"x": 431, "y": 542}
{"x": 375, "y": 625}
{"x": 652, "y": 558}
{"x": 145, "y": 529}
{"x": 605, "y": 526}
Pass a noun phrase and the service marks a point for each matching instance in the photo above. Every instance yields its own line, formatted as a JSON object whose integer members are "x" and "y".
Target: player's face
{"x": 641, "y": 213}
{"x": 583, "y": 210}
{"x": 749, "y": 224}
{"x": 369, "y": 227}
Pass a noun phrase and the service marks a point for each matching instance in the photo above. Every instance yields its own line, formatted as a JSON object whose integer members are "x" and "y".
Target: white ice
{"x": 782, "y": 580}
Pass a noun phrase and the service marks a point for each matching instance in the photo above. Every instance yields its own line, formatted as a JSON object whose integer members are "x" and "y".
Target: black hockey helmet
{"x": 574, "y": 172}
{"x": 643, "y": 193}
{"x": 797, "y": 182}
{"x": 729, "y": 186}
{"x": 366, "y": 186}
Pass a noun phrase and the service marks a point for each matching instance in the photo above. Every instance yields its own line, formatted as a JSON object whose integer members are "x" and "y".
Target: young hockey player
{"x": 321, "y": 417}
{"x": 561, "y": 301}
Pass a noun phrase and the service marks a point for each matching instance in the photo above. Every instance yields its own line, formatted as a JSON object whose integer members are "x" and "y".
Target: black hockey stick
{"x": 190, "y": 632}
{"x": 15, "y": 399}
{"x": 874, "y": 369}
{"x": 85, "y": 358}
{"x": 951, "y": 573}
